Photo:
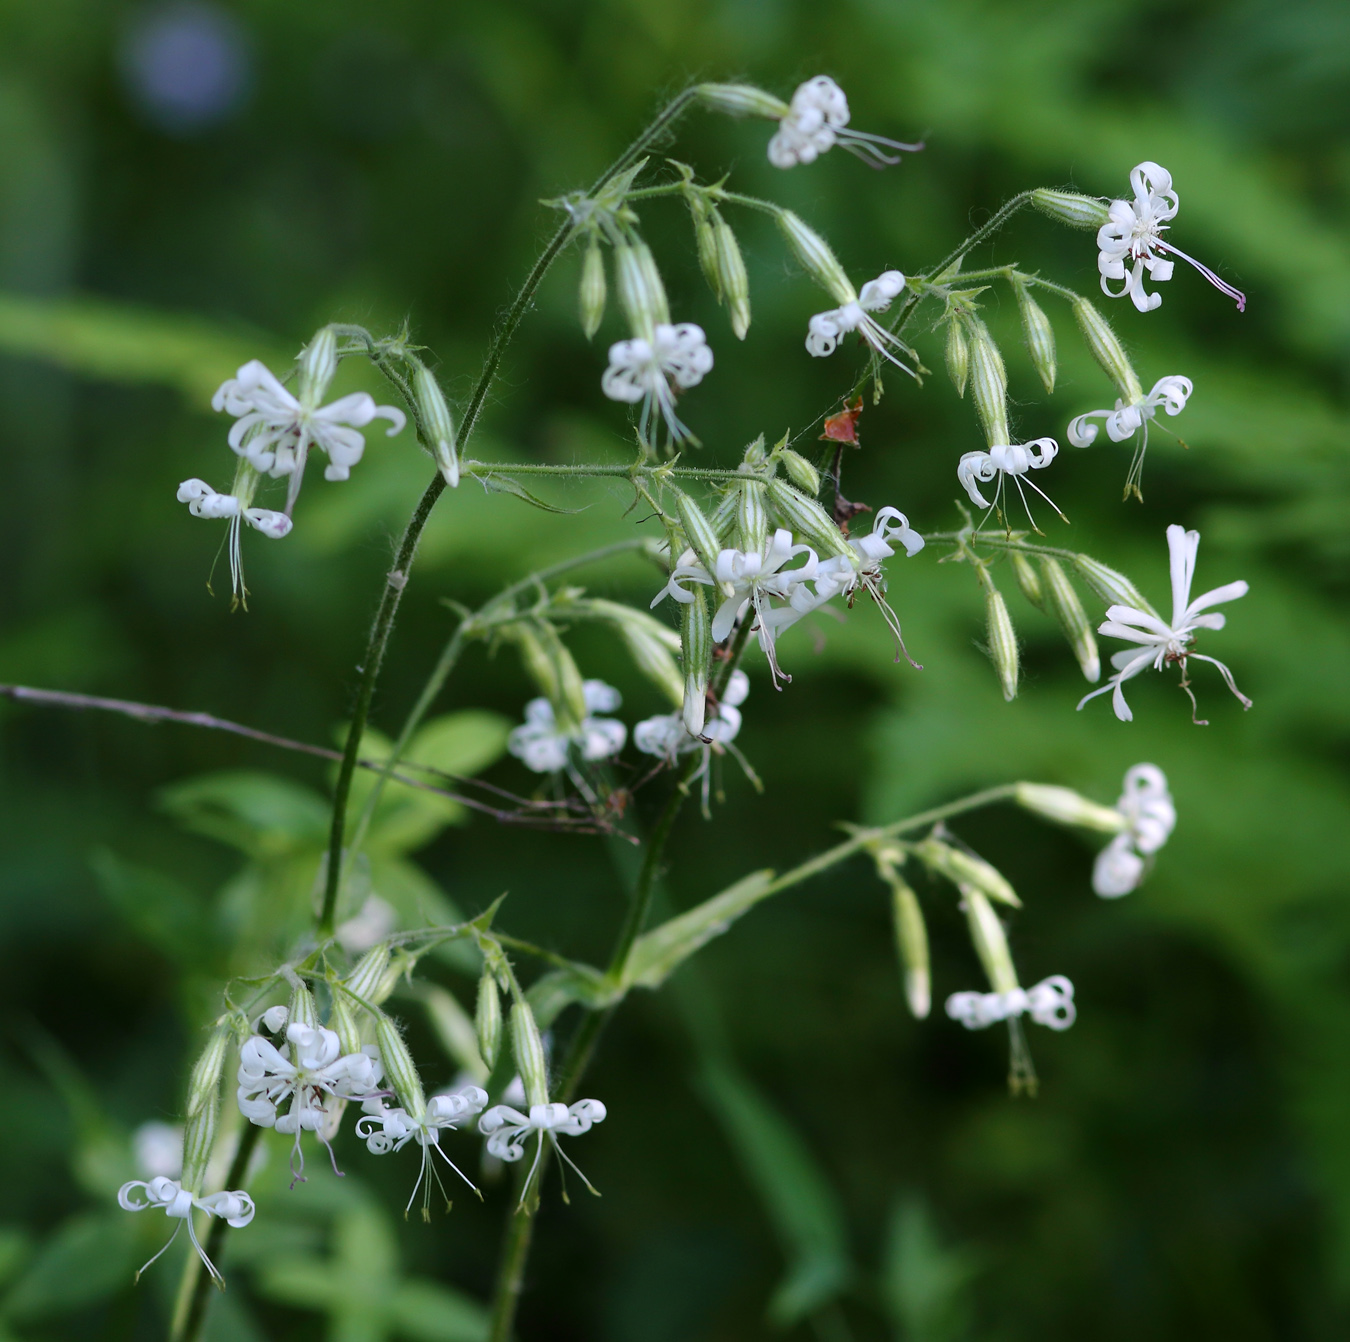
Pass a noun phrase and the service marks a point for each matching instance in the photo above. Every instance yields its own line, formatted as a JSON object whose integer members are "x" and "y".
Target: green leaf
{"x": 658, "y": 953}
{"x": 171, "y": 917}
{"x": 87, "y": 1259}
{"x": 552, "y": 993}
{"x": 800, "y": 1203}
{"x": 260, "y": 814}
{"x": 429, "y": 1312}
{"x": 504, "y": 484}
{"x": 924, "y": 1283}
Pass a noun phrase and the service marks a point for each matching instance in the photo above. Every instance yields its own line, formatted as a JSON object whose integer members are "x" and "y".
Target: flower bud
{"x": 342, "y": 1021}
{"x": 593, "y": 292}
{"x": 487, "y": 1020}
{"x": 528, "y": 1050}
{"x": 752, "y": 518}
{"x": 911, "y": 940}
{"x": 705, "y": 241}
{"x": 1027, "y": 579}
{"x": 696, "y": 638}
{"x": 816, "y": 257}
{"x": 551, "y": 667}
{"x": 1002, "y": 642}
{"x": 698, "y": 531}
{"x": 1107, "y": 349}
{"x": 1066, "y": 807}
{"x": 723, "y": 520}
{"x": 742, "y": 100}
{"x": 641, "y": 292}
{"x": 1063, "y": 603}
{"x": 440, "y": 428}
{"x": 988, "y": 384}
{"x": 368, "y": 975}
{"x": 1038, "y": 333}
{"x": 202, "y": 1108}
{"x": 806, "y": 518}
{"x": 733, "y": 283}
{"x": 398, "y": 1066}
{"x": 204, "y": 1084}
{"x": 963, "y": 868}
{"x": 303, "y": 1010}
{"x": 648, "y": 643}
{"x": 989, "y": 939}
{"x": 1115, "y": 589}
{"x": 318, "y": 363}
{"x": 800, "y": 471}
{"x": 958, "y": 355}
{"x": 1071, "y": 208}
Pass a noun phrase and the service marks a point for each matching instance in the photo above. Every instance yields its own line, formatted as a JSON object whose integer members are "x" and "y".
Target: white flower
{"x": 300, "y": 1086}
{"x": 1049, "y": 1002}
{"x": 384, "y": 1130}
{"x": 643, "y": 370}
{"x": 541, "y": 744}
{"x": 1150, "y": 816}
{"x": 1161, "y": 643}
{"x": 666, "y": 735}
{"x": 507, "y": 1131}
{"x": 138, "y": 1196}
{"x": 826, "y": 328}
{"x": 1133, "y": 234}
{"x": 203, "y": 501}
{"x": 816, "y": 120}
{"x": 1129, "y": 417}
{"x": 274, "y": 430}
{"x": 158, "y": 1149}
{"x": 1004, "y": 460}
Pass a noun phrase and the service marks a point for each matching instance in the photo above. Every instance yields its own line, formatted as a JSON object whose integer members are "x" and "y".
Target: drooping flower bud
{"x": 1115, "y": 589}
{"x": 806, "y": 518}
{"x": 988, "y": 384}
{"x": 1038, "y": 333}
{"x": 698, "y": 531}
{"x": 816, "y": 257}
{"x": 705, "y": 241}
{"x": 342, "y": 1021}
{"x": 202, "y": 1107}
{"x": 696, "y": 638}
{"x": 527, "y": 1047}
{"x": 800, "y": 471}
{"x": 911, "y": 940}
{"x": 963, "y": 868}
{"x": 1107, "y": 350}
{"x": 593, "y": 291}
{"x": 752, "y": 517}
{"x": 487, "y": 1019}
{"x": 641, "y": 292}
{"x": 1027, "y": 579}
{"x": 957, "y": 355}
{"x": 989, "y": 939}
{"x": 436, "y": 420}
{"x": 1067, "y": 807}
{"x": 1002, "y": 642}
{"x": 1063, "y": 603}
{"x": 318, "y": 364}
{"x": 1071, "y": 208}
{"x": 367, "y": 977}
{"x": 733, "y": 282}
{"x": 303, "y": 1010}
{"x": 650, "y": 643}
{"x": 742, "y": 100}
{"x": 399, "y": 1066}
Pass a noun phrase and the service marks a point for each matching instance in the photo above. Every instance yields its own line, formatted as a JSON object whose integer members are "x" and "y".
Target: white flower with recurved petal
{"x": 666, "y": 736}
{"x": 817, "y": 120}
{"x": 1131, "y": 241}
{"x": 1131, "y": 417}
{"x": 643, "y": 370}
{"x": 508, "y": 1131}
{"x": 1161, "y": 643}
{"x": 300, "y": 1086}
{"x": 275, "y": 430}
{"x": 1150, "y": 816}
{"x": 1004, "y": 461}
{"x": 825, "y": 329}
{"x": 384, "y": 1130}
{"x": 1049, "y": 1003}
{"x": 235, "y": 1209}
{"x": 544, "y": 746}
{"x": 203, "y": 501}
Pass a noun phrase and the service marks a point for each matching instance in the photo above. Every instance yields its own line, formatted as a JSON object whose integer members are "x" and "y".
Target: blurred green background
{"x": 189, "y": 186}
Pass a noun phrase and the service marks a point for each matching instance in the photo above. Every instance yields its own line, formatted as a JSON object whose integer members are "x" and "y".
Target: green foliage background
{"x": 1186, "y": 1171}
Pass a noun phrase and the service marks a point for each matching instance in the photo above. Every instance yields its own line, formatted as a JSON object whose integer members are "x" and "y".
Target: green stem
{"x": 215, "y": 1240}
{"x": 588, "y": 470}
{"x": 999, "y": 218}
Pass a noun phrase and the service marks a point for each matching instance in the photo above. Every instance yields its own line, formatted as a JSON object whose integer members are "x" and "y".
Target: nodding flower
{"x": 816, "y": 120}
{"x": 203, "y": 501}
{"x": 1006, "y": 461}
{"x": 1133, "y": 416}
{"x": 644, "y": 370}
{"x": 508, "y": 1130}
{"x": 1048, "y": 1003}
{"x": 825, "y": 329}
{"x": 1150, "y": 817}
{"x": 139, "y": 1195}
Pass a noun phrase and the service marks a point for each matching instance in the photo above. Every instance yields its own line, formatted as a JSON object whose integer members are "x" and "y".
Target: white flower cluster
{"x": 1049, "y": 1003}
{"x": 649, "y": 371}
{"x": 1150, "y": 818}
{"x": 666, "y": 736}
{"x": 816, "y": 120}
{"x": 544, "y": 745}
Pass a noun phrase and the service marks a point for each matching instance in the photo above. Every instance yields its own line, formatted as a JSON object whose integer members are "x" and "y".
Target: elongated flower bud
{"x": 487, "y": 1019}
{"x": 552, "y": 668}
{"x": 1027, "y": 579}
{"x": 989, "y": 939}
{"x": 696, "y": 637}
{"x": 593, "y": 291}
{"x": 1038, "y": 333}
{"x": 1107, "y": 349}
{"x": 654, "y": 285}
{"x": 1063, "y": 603}
{"x": 204, "y": 1084}
{"x": 1002, "y": 642}
{"x": 1115, "y": 589}
{"x": 816, "y": 257}
{"x": 650, "y": 652}
{"x": 800, "y": 471}
{"x": 742, "y": 100}
{"x": 988, "y": 384}
{"x": 733, "y": 282}
{"x": 342, "y": 1021}
{"x": 528, "y": 1050}
{"x": 641, "y": 292}
{"x": 957, "y": 355}
{"x": 962, "y": 868}
{"x": 399, "y": 1067}
{"x": 705, "y": 240}
{"x": 202, "y": 1108}
{"x": 698, "y": 531}
{"x": 723, "y": 520}
{"x": 752, "y": 518}
{"x": 911, "y": 941}
{"x": 318, "y": 363}
{"x": 1067, "y": 807}
{"x": 806, "y": 519}
{"x": 1071, "y": 208}
{"x": 368, "y": 975}
{"x": 303, "y": 1010}
{"x": 440, "y": 428}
